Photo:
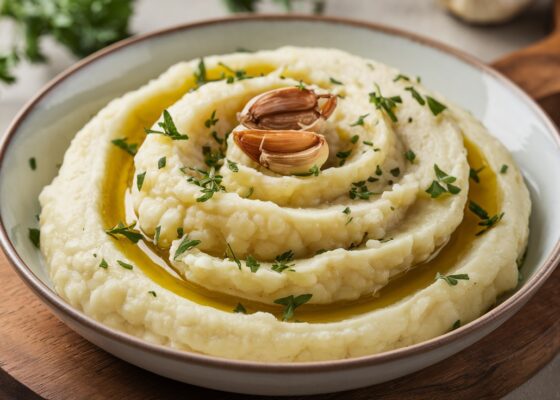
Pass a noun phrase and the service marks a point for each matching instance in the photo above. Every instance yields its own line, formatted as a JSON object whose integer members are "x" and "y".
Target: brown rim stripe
{"x": 59, "y": 306}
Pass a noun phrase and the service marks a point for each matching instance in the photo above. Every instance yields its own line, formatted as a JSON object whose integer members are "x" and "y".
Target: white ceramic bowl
{"x": 44, "y": 128}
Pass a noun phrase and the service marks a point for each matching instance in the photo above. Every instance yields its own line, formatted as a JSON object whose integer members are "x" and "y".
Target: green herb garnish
{"x": 335, "y": 82}
{"x": 33, "y": 163}
{"x": 473, "y": 174}
{"x": 140, "y": 180}
{"x": 127, "y": 231}
{"x": 487, "y": 221}
{"x": 290, "y": 304}
{"x": 452, "y": 280}
{"x": 436, "y": 188}
{"x": 360, "y": 121}
{"x": 231, "y": 255}
{"x": 252, "y": 264}
{"x": 212, "y": 120}
{"x": 360, "y": 190}
{"x": 35, "y": 237}
{"x": 378, "y": 171}
{"x": 162, "y": 162}
{"x": 281, "y": 261}
{"x": 456, "y": 325}
{"x": 122, "y": 143}
{"x": 395, "y": 172}
{"x": 416, "y": 95}
{"x": 410, "y": 156}
{"x": 435, "y": 106}
{"x": 180, "y": 232}
{"x": 218, "y": 139}
{"x": 368, "y": 143}
{"x": 354, "y": 139}
{"x": 401, "y": 76}
{"x": 301, "y": 85}
{"x": 232, "y": 166}
{"x": 239, "y": 309}
{"x": 156, "y": 235}
{"x": 347, "y": 211}
{"x": 343, "y": 155}
{"x": 210, "y": 183}
{"x": 125, "y": 265}
{"x": 200, "y": 75}
{"x": 313, "y": 171}
{"x": 238, "y": 74}
{"x": 185, "y": 245}
{"x": 168, "y": 128}
{"x": 503, "y": 169}
{"x": 153, "y": 293}
{"x": 103, "y": 264}
{"x": 387, "y": 104}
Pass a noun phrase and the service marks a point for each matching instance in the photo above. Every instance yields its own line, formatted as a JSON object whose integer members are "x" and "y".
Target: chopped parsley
{"x": 452, "y": 280}
{"x": 250, "y": 192}
{"x": 153, "y": 293}
{"x": 200, "y": 75}
{"x": 186, "y": 244}
{"x": 238, "y": 74}
{"x": 156, "y": 235}
{"x": 290, "y": 304}
{"x": 180, "y": 232}
{"x": 401, "y": 77}
{"x": 33, "y": 163}
{"x": 437, "y": 187}
{"x": 360, "y": 190}
{"x": 456, "y": 325}
{"x": 232, "y": 166}
{"x": 503, "y": 169}
{"x": 417, "y": 96}
{"x": 140, "y": 180}
{"x": 125, "y": 265}
{"x": 168, "y": 128}
{"x": 360, "y": 121}
{"x": 335, "y": 81}
{"x": 378, "y": 171}
{"x": 35, "y": 237}
{"x": 239, "y": 309}
{"x": 103, "y": 264}
{"x": 313, "y": 171}
{"x": 252, "y": 264}
{"x": 354, "y": 139}
{"x": 162, "y": 162}
{"x": 435, "y": 106}
{"x": 231, "y": 255}
{"x": 473, "y": 174}
{"x": 122, "y": 143}
{"x": 395, "y": 172}
{"x": 410, "y": 156}
{"x": 387, "y": 104}
{"x": 301, "y": 85}
{"x": 347, "y": 211}
{"x": 281, "y": 261}
{"x": 368, "y": 143}
{"x": 343, "y": 155}
{"x": 212, "y": 158}
{"x": 212, "y": 120}
{"x": 210, "y": 183}
{"x": 127, "y": 231}
{"x": 215, "y": 136}
{"x": 487, "y": 221}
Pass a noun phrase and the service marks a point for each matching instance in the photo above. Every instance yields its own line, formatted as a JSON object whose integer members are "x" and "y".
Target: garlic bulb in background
{"x": 486, "y": 11}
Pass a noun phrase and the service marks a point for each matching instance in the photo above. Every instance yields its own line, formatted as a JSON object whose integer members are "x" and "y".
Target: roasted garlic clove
{"x": 289, "y": 108}
{"x": 285, "y": 152}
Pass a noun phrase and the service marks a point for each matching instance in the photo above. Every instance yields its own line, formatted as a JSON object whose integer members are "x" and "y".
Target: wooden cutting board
{"x": 40, "y": 356}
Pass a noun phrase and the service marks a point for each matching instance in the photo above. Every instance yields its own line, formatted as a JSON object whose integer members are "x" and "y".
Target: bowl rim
{"x": 61, "y": 307}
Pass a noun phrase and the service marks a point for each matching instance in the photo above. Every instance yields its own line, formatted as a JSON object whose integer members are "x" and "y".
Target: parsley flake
{"x": 395, "y": 172}
{"x": 156, "y": 235}
{"x": 212, "y": 120}
{"x": 354, "y": 139}
{"x": 185, "y": 245}
{"x": 335, "y": 81}
{"x": 140, "y": 180}
{"x": 125, "y": 265}
{"x": 252, "y": 264}
{"x": 290, "y": 304}
{"x": 456, "y": 325}
{"x": 504, "y": 169}
{"x": 360, "y": 190}
{"x": 417, "y": 96}
{"x": 435, "y": 106}
{"x": 162, "y": 162}
{"x": 343, "y": 155}
{"x": 153, "y": 293}
{"x": 122, "y": 143}
{"x": 127, "y": 231}
{"x": 35, "y": 237}
{"x": 168, "y": 128}
{"x": 473, "y": 174}
{"x": 239, "y": 309}
{"x": 401, "y": 77}
{"x": 313, "y": 171}
{"x": 387, "y": 104}
{"x": 436, "y": 188}
{"x": 410, "y": 156}
{"x": 487, "y": 221}
{"x": 210, "y": 183}
{"x": 33, "y": 163}
{"x": 452, "y": 280}
{"x": 360, "y": 121}
{"x": 281, "y": 261}
{"x": 231, "y": 256}
{"x": 103, "y": 264}
{"x": 232, "y": 166}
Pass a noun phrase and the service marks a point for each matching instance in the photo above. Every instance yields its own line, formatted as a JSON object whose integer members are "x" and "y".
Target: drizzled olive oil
{"x": 152, "y": 261}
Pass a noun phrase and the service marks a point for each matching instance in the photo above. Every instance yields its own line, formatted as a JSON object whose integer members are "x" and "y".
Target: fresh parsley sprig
{"x": 487, "y": 221}
{"x": 281, "y": 261}
{"x": 252, "y": 264}
{"x": 387, "y": 104}
{"x": 211, "y": 183}
{"x": 127, "y": 231}
{"x": 168, "y": 128}
{"x": 122, "y": 143}
{"x": 443, "y": 184}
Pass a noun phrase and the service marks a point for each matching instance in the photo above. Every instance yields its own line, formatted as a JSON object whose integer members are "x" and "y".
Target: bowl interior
{"x": 46, "y": 130}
